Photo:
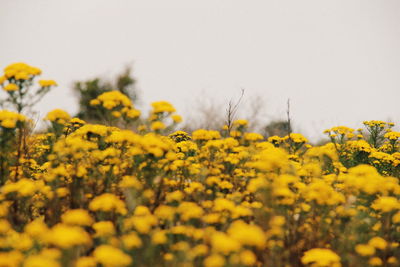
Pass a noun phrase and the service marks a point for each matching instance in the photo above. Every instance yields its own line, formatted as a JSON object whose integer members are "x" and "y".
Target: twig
{"x": 231, "y": 111}
{"x": 289, "y": 126}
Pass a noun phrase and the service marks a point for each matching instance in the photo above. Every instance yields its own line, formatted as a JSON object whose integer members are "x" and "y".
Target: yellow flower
{"x": 5, "y": 226}
{"x": 365, "y": 250}
{"x": 240, "y": 123}
{"x": 199, "y": 250}
{"x": 24, "y": 187}
{"x": 109, "y": 203}
{"x": 386, "y": 204}
{"x": 392, "y": 135}
{"x": 131, "y": 240}
{"x": 39, "y": 260}
{"x": 162, "y": 106}
{"x": 11, "y": 259}
{"x": 10, "y": 119}
{"x": 58, "y": 115}
{"x": 223, "y": 243}
{"x": 11, "y": 87}
{"x": 174, "y": 196}
{"x": 214, "y": 260}
{"x": 114, "y": 99}
{"x": 253, "y": 136}
{"x": 111, "y": 257}
{"x": 396, "y": 217}
{"x": 21, "y": 71}
{"x": 2, "y": 79}
{"x": 247, "y": 234}
{"x": 165, "y": 212}
{"x": 378, "y": 242}
{"x": 132, "y": 113}
{"x": 22, "y": 76}
{"x": 62, "y": 192}
{"x": 321, "y": 257}
{"x": 142, "y": 224}
{"x": 202, "y": 134}
{"x": 36, "y": 229}
{"x": 142, "y": 211}
{"x": 52, "y": 253}
{"x": 86, "y": 262}
{"x": 94, "y": 102}
{"x": 235, "y": 133}
{"x": 176, "y": 118}
{"x": 190, "y": 210}
{"x": 116, "y": 114}
{"x": 157, "y": 125}
{"x": 77, "y": 217}
{"x": 20, "y": 241}
{"x": 104, "y": 228}
{"x": 159, "y": 237}
{"x": 297, "y": 138}
{"x": 392, "y": 260}
{"x": 375, "y": 261}
{"x": 130, "y": 182}
{"x": 65, "y": 236}
{"x": 247, "y": 258}
{"x": 168, "y": 256}
{"x": 47, "y": 83}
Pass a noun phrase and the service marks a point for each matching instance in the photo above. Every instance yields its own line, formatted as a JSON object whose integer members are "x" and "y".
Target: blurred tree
{"x": 90, "y": 89}
{"x": 279, "y": 128}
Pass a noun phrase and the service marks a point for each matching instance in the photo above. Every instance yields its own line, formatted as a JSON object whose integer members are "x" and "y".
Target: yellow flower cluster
{"x": 18, "y": 73}
{"x": 118, "y": 103}
{"x": 108, "y": 203}
{"x": 58, "y": 115}
{"x": 375, "y": 123}
{"x": 321, "y": 257}
{"x": 82, "y": 194}
{"x": 162, "y": 106}
{"x": 9, "y": 119}
{"x": 162, "y": 117}
{"x": 21, "y": 71}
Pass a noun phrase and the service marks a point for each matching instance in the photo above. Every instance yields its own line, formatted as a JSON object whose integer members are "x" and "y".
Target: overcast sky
{"x": 338, "y": 61}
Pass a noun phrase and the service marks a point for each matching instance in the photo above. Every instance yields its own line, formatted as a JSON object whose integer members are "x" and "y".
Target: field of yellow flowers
{"x": 134, "y": 192}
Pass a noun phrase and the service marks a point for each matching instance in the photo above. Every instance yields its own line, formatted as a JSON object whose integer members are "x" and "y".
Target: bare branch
{"x": 232, "y": 110}
{"x": 289, "y": 126}
{"x": 288, "y": 118}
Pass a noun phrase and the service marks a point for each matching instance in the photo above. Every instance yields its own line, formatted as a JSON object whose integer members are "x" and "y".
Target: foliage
{"x": 91, "y": 89}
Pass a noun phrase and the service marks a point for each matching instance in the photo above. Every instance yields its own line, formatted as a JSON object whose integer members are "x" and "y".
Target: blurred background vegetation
{"x": 206, "y": 113}
{"x": 92, "y": 88}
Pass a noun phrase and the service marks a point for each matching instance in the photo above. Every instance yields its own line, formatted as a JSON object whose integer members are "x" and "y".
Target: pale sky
{"x": 338, "y": 61}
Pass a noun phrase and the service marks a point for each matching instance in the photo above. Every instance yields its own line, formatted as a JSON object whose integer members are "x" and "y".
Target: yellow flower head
{"x": 242, "y": 123}
{"x": 11, "y": 87}
{"x": 104, "y": 228}
{"x": 77, "y": 217}
{"x": 176, "y": 118}
{"x": 59, "y": 116}
{"x": 386, "y": 204}
{"x": 157, "y": 125}
{"x": 108, "y": 203}
{"x": 321, "y": 257}
{"x": 162, "y": 106}
{"x": 65, "y": 236}
{"x": 365, "y": 250}
{"x": 21, "y": 71}
{"x": 47, "y": 83}
{"x": 110, "y": 256}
